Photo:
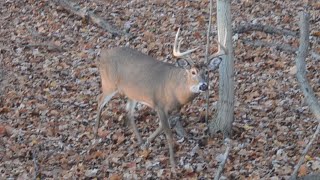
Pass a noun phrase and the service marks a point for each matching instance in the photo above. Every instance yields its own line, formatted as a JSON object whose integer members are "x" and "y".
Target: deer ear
{"x": 183, "y": 63}
{"x": 214, "y": 63}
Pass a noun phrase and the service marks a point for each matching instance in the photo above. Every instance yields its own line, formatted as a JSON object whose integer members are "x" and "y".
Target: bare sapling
{"x": 162, "y": 86}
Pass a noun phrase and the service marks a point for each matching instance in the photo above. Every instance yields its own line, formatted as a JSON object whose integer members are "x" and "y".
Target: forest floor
{"x": 49, "y": 84}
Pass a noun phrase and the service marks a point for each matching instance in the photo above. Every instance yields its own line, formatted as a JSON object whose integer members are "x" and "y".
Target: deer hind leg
{"x": 130, "y": 108}
{"x": 174, "y": 123}
{"x": 103, "y": 99}
{"x": 165, "y": 124}
{"x": 154, "y": 134}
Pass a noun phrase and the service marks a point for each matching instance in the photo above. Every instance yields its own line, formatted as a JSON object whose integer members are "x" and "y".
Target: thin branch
{"x": 306, "y": 149}
{"x": 223, "y": 162}
{"x": 301, "y": 67}
{"x": 5, "y": 17}
{"x": 35, "y": 165}
{"x": 35, "y": 34}
{"x": 304, "y": 85}
{"x": 65, "y": 4}
{"x": 264, "y": 28}
{"x": 280, "y": 47}
{"x": 208, "y": 32}
{"x": 47, "y": 45}
{"x": 207, "y": 57}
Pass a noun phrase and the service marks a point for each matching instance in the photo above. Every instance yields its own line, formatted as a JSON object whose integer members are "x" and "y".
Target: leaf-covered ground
{"x": 49, "y": 84}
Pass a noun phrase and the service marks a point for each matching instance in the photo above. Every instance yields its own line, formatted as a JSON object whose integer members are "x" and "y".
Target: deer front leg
{"x": 167, "y": 131}
{"x": 103, "y": 99}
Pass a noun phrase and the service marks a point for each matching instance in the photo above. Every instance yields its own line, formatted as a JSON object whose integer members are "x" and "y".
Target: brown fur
{"x": 162, "y": 86}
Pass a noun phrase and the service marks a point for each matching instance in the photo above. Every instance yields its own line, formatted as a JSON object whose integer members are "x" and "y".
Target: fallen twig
{"x": 306, "y": 149}
{"x": 35, "y": 165}
{"x": 280, "y": 47}
{"x": 5, "y": 17}
{"x": 301, "y": 67}
{"x": 49, "y": 46}
{"x": 35, "y": 34}
{"x": 224, "y": 160}
{"x": 65, "y": 4}
{"x": 264, "y": 28}
{"x": 304, "y": 85}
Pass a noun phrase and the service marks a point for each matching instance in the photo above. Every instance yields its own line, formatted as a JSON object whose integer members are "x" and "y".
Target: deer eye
{"x": 206, "y": 72}
{"x": 193, "y": 72}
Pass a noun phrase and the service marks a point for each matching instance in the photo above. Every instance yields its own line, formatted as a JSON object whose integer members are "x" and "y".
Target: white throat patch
{"x": 195, "y": 88}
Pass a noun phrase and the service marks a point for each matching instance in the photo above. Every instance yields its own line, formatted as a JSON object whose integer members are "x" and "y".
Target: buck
{"x": 162, "y": 86}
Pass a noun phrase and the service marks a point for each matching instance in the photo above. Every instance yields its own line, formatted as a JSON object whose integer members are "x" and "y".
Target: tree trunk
{"x": 225, "y": 112}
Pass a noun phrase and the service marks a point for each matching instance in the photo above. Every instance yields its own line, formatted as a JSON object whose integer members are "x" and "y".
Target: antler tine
{"x": 222, "y": 50}
{"x": 176, "y": 47}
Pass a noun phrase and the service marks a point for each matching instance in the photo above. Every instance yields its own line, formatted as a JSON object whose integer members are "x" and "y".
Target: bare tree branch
{"x": 264, "y": 28}
{"x": 271, "y": 30}
{"x": 306, "y": 149}
{"x": 224, "y": 160}
{"x": 304, "y": 85}
{"x": 35, "y": 34}
{"x": 301, "y": 67}
{"x": 65, "y": 4}
{"x": 280, "y": 47}
{"x": 207, "y": 57}
{"x": 48, "y": 45}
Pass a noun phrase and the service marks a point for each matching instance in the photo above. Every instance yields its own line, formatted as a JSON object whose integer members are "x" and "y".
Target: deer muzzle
{"x": 203, "y": 87}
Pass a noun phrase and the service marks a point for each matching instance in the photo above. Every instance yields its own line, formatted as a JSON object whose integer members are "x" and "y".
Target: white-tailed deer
{"x": 162, "y": 86}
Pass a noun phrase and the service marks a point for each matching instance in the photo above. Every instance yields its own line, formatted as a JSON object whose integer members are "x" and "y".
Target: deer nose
{"x": 203, "y": 87}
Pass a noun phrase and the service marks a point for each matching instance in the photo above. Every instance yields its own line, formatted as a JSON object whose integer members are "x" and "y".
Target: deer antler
{"x": 222, "y": 50}
{"x": 176, "y": 47}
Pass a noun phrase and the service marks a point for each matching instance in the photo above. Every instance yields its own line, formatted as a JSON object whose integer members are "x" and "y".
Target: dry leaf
{"x": 149, "y": 36}
{"x": 115, "y": 177}
{"x": 293, "y": 70}
{"x": 3, "y": 131}
{"x": 98, "y": 154}
{"x": 91, "y": 172}
{"x": 10, "y": 130}
{"x": 120, "y": 139}
{"x": 317, "y": 34}
{"x": 4, "y": 110}
{"x": 145, "y": 153}
{"x": 103, "y": 133}
{"x": 130, "y": 165}
{"x": 303, "y": 170}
